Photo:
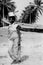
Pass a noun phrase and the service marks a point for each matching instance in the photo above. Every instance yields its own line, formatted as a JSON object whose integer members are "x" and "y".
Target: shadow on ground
{"x": 23, "y": 58}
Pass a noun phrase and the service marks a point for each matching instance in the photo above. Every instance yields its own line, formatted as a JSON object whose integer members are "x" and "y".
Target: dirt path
{"x": 32, "y": 47}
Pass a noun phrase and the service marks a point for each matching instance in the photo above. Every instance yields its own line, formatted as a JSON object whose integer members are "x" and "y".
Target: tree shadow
{"x": 23, "y": 58}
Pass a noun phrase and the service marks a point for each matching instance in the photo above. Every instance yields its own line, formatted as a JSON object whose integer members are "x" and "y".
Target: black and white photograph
{"x": 21, "y": 32}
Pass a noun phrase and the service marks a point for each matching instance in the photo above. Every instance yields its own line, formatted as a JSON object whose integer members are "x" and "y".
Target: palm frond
{"x": 41, "y": 2}
{"x": 9, "y": 5}
{"x": 30, "y": 15}
{"x": 6, "y": 6}
{"x": 37, "y": 2}
{"x": 40, "y": 11}
{"x": 34, "y": 16}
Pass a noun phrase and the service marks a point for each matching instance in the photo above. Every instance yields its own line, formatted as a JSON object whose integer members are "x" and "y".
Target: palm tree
{"x": 30, "y": 15}
{"x": 5, "y": 7}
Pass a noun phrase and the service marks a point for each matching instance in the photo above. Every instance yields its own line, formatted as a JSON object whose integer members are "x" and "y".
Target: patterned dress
{"x": 14, "y": 35}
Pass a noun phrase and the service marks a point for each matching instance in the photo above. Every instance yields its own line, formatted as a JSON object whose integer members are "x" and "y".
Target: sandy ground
{"x": 32, "y": 47}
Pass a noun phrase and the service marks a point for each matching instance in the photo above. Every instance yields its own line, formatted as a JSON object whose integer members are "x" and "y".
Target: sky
{"x": 21, "y": 4}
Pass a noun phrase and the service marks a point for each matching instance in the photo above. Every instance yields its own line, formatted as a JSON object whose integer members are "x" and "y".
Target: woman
{"x": 15, "y": 36}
